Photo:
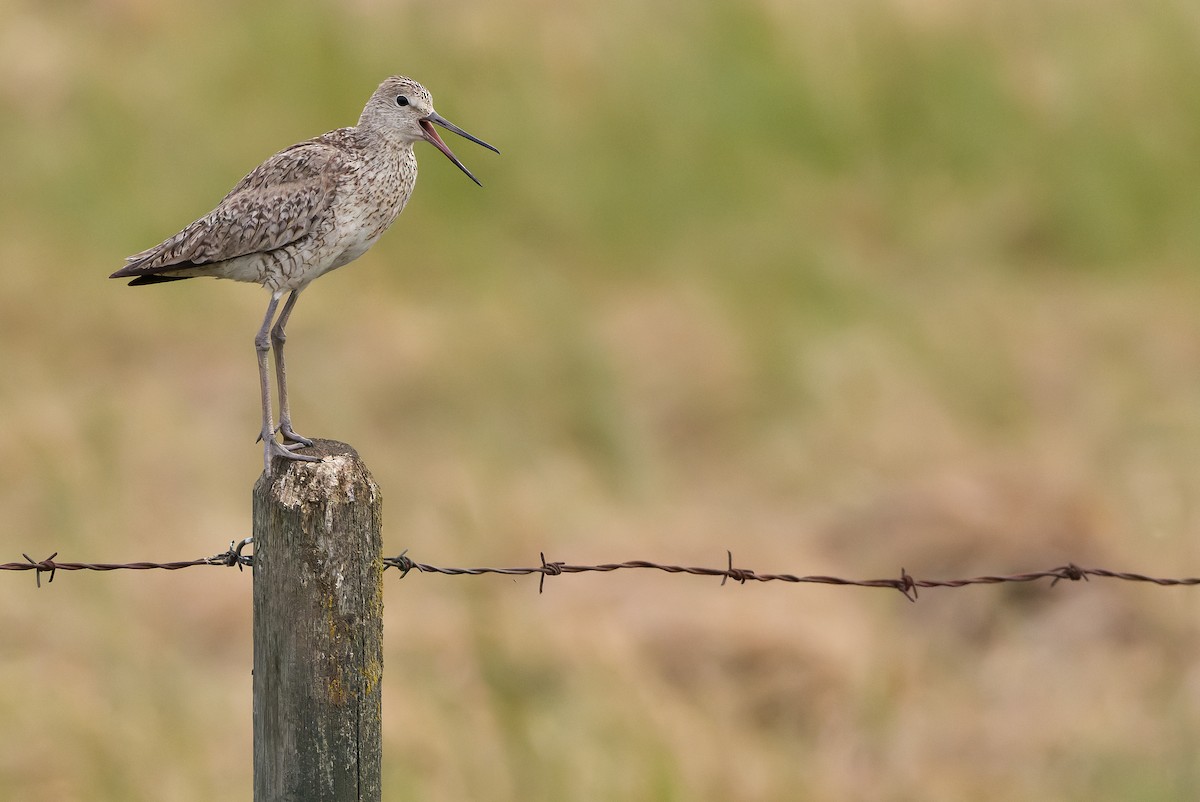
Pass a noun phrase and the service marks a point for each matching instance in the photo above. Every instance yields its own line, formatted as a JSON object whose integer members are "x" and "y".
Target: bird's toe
{"x": 293, "y": 439}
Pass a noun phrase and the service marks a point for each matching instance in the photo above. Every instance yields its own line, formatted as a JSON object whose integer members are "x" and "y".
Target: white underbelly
{"x": 355, "y": 246}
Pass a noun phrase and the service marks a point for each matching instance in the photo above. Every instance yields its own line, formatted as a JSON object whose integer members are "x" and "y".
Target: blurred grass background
{"x": 841, "y": 287}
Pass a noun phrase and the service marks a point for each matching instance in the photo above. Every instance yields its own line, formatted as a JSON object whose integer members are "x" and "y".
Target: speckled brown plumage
{"x": 309, "y": 209}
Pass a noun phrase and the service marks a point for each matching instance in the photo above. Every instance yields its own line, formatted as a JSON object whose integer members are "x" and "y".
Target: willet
{"x": 307, "y": 210}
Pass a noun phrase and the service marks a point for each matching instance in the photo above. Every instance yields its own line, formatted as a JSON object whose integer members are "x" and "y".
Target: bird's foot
{"x": 291, "y": 438}
{"x": 273, "y": 448}
{"x": 277, "y": 449}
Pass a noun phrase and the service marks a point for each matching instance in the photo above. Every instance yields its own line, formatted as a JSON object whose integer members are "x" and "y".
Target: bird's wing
{"x": 280, "y": 201}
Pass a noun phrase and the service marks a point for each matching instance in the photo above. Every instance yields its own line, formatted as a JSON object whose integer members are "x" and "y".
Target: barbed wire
{"x": 233, "y": 556}
{"x": 905, "y": 583}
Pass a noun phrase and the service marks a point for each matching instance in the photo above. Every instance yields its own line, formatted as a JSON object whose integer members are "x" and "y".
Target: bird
{"x": 309, "y": 209}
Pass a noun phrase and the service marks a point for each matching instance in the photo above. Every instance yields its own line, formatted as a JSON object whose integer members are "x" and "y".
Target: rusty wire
{"x": 905, "y": 582}
{"x": 233, "y": 556}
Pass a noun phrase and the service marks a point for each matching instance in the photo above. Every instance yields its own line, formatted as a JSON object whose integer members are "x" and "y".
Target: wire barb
{"x": 1069, "y": 571}
{"x": 548, "y": 569}
{"x": 41, "y": 566}
{"x": 234, "y": 555}
{"x": 737, "y": 574}
{"x": 402, "y": 562}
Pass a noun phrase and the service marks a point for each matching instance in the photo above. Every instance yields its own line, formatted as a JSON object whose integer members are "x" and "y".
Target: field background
{"x": 842, "y": 287}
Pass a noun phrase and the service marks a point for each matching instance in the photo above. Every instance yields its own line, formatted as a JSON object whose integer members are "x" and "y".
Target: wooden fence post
{"x": 318, "y": 630}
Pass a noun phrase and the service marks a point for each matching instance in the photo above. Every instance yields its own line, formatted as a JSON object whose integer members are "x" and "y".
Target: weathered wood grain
{"x": 318, "y": 630}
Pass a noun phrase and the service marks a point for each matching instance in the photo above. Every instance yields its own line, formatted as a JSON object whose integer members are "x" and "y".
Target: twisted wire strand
{"x": 905, "y": 583}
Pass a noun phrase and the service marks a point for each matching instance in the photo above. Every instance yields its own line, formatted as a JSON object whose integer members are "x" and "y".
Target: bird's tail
{"x": 135, "y": 268}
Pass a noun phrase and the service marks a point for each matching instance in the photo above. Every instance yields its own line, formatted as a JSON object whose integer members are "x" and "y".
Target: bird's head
{"x": 404, "y": 108}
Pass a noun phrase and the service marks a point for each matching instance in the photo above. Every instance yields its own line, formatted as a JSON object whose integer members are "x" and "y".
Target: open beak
{"x": 431, "y": 135}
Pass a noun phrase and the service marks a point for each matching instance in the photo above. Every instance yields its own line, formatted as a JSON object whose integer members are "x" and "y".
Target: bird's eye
{"x": 401, "y": 101}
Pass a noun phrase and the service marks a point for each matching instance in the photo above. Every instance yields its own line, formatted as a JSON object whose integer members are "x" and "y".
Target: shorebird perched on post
{"x": 307, "y": 210}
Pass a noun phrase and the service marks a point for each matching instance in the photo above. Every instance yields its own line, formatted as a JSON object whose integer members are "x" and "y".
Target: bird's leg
{"x": 278, "y": 338}
{"x": 262, "y": 345}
